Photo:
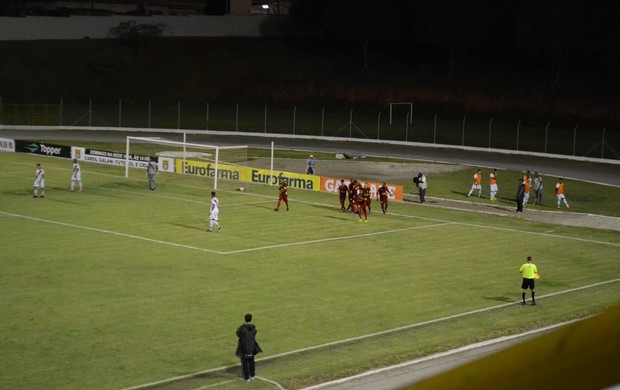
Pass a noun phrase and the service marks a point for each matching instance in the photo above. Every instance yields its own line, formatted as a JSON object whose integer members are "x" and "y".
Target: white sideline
{"x": 110, "y": 232}
{"x": 442, "y": 354}
{"x": 410, "y": 326}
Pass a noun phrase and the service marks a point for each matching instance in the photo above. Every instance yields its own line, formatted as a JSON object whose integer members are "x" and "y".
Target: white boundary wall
{"x": 272, "y": 136}
{"x": 97, "y": 27}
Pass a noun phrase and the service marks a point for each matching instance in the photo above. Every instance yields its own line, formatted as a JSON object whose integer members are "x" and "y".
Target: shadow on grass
{"x": 201, "y": 229}
{"x": 502, "y": 298}
{"x": 335, "y": 207}
{"x": 342, "y": 217}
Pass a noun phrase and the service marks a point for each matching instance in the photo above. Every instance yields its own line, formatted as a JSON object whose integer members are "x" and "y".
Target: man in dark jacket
{"x": 247, "y": 348}
{"x": 520, "y": 196}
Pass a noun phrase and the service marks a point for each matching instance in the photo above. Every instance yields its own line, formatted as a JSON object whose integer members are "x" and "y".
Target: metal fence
{"x": 394, "y": 122}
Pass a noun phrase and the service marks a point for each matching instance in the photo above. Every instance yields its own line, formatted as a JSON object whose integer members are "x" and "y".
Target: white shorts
{"x": 77, "y": 176}
{"x": 560, "y": 197}
{"x": 493, "y": 187}
{"x": 214, "y": 215}
{"x": 476, "y": 187}
{"x": 39, "y": 183}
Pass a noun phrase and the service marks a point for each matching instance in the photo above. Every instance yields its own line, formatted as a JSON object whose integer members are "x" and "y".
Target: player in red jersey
{"x": 357, "y": 196}
{"x": 283, "y": 195}
{"x": 343, "y": 190}
{"x": 352, "y": 186}
{"x": 382, "y": 197}
{"x": 361, "y": 205}
{"x": 367, "y": 197}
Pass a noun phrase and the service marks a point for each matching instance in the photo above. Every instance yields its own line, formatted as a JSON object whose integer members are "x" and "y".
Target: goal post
{"x": 184, "y": 157}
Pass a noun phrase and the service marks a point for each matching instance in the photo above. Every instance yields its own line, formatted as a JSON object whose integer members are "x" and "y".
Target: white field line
{"x": 446, "y": 222}
{"x": 383, "y": 332}
{"x": 514, "y": 230}
{"x": 443, "y": 354}
{"x": 111, "y": 232}
{"x": 335, "y": 238}
{"x": 3, "y": 213}
{"x": 215, "y": 384}
{"x": 279, "y": 386}
{"x": 149, "y": 194}
{"x": 323, "y": 204}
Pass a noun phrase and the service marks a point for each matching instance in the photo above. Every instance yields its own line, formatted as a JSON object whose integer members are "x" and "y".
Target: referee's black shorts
{"x": 527, "y": 283}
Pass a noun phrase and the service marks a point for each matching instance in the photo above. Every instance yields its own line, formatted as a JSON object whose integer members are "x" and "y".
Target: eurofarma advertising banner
{"x": 43, "y": 148}
{"x": 248, "y": 174}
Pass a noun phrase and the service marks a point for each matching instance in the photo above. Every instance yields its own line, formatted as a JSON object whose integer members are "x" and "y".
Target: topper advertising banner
{"x": 330, "y": 184}
{"x": 43, "y": 148}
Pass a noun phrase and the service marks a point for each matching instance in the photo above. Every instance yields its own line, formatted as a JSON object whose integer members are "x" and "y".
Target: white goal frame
{"x": 410, "y": 104}
{"x": 184, "y": 145}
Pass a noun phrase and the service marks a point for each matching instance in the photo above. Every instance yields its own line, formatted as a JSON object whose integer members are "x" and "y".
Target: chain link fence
{"x": 394, "y": 122}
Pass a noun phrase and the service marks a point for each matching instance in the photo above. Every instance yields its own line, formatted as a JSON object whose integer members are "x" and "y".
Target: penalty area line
{"x": 111, "y": 233}
{"x": 335, "y": 238}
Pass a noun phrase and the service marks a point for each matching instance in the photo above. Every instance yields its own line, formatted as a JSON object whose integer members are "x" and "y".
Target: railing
{"x": 389, "y": 123}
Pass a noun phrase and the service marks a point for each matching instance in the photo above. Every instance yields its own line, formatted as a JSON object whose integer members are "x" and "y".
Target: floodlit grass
{"x": 119, "y": 286}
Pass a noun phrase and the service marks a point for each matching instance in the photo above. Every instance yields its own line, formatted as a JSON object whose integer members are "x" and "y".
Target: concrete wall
{"x": 97, "y": 27}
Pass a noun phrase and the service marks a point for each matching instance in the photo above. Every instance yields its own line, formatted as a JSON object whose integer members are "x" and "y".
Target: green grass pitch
{"x": 119, "y": 286}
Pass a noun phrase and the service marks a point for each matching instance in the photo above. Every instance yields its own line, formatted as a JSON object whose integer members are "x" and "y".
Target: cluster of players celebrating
{"x": 360, "y": 198}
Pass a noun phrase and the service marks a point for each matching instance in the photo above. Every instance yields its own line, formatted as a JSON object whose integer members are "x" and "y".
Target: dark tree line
{"x": 554, "y": 33}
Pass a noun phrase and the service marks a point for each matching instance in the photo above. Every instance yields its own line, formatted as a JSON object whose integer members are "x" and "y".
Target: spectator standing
{"x": 247, "y": 348}
{"x": 520, "y": 196}
{"x": 310, "y": 165}
{"x": 422, "y": 185}
{"x": 559, "y": 191}
{"x": 538, "y": 189}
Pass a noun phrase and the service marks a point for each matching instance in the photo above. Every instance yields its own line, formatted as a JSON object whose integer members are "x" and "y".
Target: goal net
{"x": 213, "y": 162}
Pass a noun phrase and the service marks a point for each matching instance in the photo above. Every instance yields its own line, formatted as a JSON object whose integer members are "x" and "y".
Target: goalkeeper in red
{"x": 530, "y": 272}
{"x": 283, "y": 195}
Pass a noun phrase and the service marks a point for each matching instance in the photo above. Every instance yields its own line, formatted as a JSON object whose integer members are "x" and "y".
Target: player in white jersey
{"x": 214, "y": 213}
{"x": 39, "y": 181}
{"x": 76, "y": 175}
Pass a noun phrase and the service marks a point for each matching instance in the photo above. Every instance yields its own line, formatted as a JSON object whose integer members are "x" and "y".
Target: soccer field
{"x": 119, "y": 286}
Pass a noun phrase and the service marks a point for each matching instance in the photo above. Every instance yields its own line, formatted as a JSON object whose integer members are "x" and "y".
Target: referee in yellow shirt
{"x": 528, "y": 270}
